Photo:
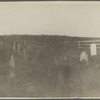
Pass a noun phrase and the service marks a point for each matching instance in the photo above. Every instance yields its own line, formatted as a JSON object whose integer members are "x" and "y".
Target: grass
{"x": 49, "y": 71}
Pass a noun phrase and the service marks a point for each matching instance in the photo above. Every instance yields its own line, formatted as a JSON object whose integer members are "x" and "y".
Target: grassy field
{"x": 50, "y": 70}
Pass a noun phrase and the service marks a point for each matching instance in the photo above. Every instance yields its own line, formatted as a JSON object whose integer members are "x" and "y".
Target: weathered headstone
{"x": 83, "y": 57}
{"x": 14, "y": 45}
{"x": 65, "y": 57}
{"x": 12, "y": 74}
{"x": 12, "y": 67}
{"x": 93, "y": 49}
{"x": 12, "y": 61}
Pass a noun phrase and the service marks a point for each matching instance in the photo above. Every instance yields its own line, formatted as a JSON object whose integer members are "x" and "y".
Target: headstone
{"x": 83, "y": 57}
{"x": 12, "y": 67}
{"x": 12, "y": 62}
{"x": 14, "y": 45}
{"x": 93, "y": 50}
{"x": 65, "y": 57}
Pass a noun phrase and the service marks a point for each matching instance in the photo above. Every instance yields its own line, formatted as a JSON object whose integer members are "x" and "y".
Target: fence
{"x": 83, "y": 44}
{"x": 86, "y": 44}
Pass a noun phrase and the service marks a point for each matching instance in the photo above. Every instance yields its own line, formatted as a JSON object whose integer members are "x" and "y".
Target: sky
{"x": 69, "y": 18}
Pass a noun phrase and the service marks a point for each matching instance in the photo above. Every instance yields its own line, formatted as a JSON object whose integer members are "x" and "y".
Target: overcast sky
{"x": 50, "y": 18}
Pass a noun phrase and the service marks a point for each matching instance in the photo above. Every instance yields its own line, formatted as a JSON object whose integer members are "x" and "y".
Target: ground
{"x": 48, "y": 70}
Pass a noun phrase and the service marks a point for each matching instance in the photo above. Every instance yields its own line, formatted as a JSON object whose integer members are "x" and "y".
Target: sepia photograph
{"x": 50, "y": 49}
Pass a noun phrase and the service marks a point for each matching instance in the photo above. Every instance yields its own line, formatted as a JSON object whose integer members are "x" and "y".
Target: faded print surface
{"x": 49, "y": 61}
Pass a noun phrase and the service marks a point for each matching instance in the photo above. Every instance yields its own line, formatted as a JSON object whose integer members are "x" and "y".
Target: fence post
{"x": 24, "y": 43}
{"x": 1, "y": 43}
{"x": 79, "y": 44}
{"x": 25, "y": 53}
{"x": 18, "y": 47}
{"x": 25, "y": 50}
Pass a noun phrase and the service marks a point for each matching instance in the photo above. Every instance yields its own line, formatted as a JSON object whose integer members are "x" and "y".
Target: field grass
{"x": 50, "y": 70}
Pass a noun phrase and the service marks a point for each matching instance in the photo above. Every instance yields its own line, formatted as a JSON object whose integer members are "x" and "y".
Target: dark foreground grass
{"x": 50, "y": 73}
